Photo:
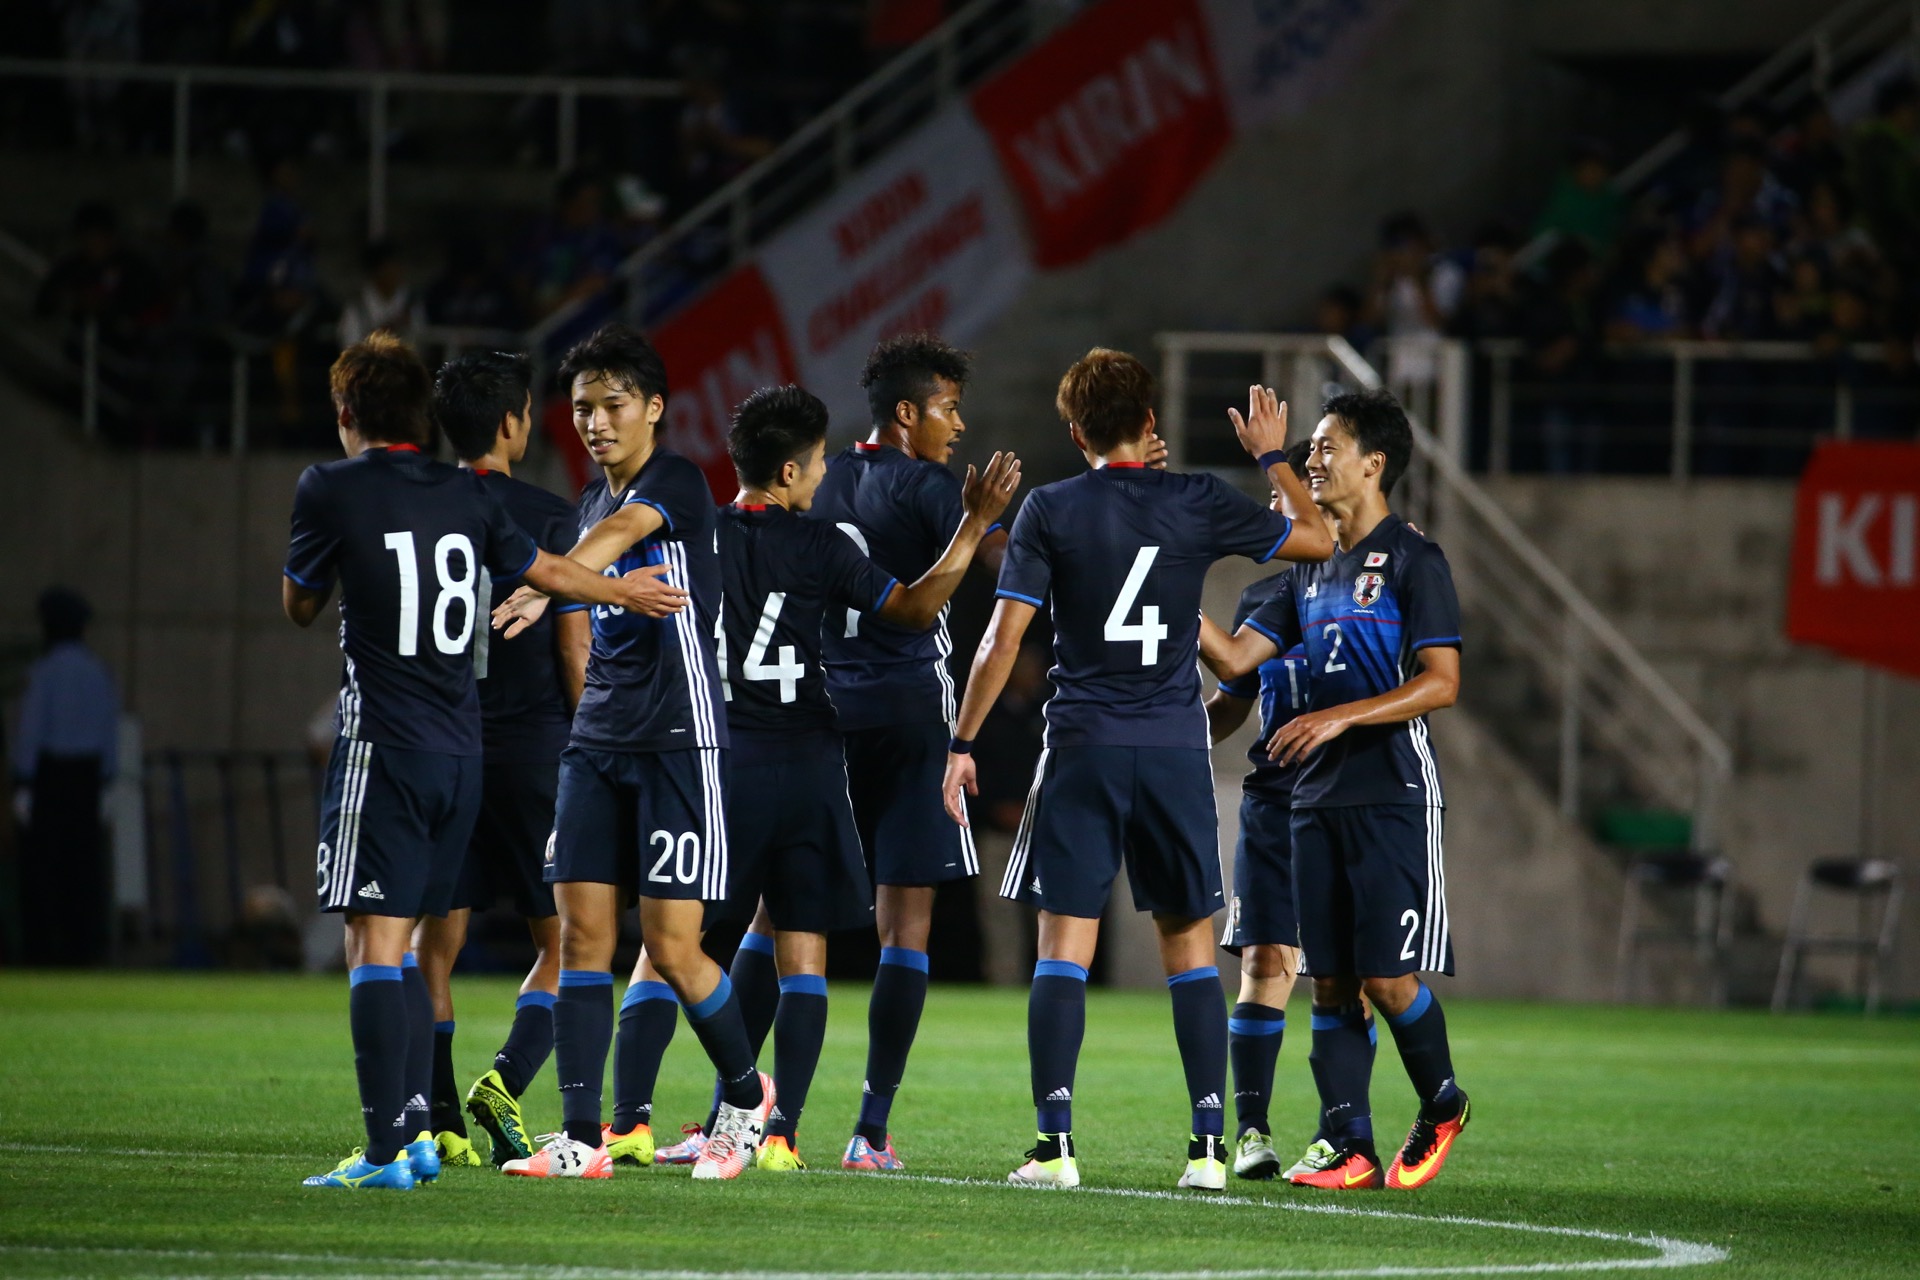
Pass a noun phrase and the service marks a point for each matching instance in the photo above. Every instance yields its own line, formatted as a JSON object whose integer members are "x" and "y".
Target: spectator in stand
{"x": 99, "y": 31}
{"x": 1338, "y": 313}
{"x": 1827, "y": 232}
{"x": 573, "y": 257}
{"x": 717, "y": 142}
{"x": 1563, "y": 355}
{"x": 197, "y": 302}
{"x": 470, "y": 294}
{"x": 1747, "y": 192}
{"x": 1651, "y": 301}
{"x": 385, "y": 300}
{"x": 1414, "y": 294}
{"x": 1811, "y": 153}
{"x": 1584, "y": 202}
{"x": 99, "y": 280}
{"x": 1886, "y": 177}
{"x": 1745, "y": 284}
{"x": 281, "y": 246}
{"x": 1491, "y": 306}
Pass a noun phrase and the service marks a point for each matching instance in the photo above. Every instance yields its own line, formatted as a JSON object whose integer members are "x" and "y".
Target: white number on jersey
{"x": 1149, "y": 631}
{"x": 860, "y": 541}
{"x": 1333, "y": 656}
{"x": 452, "y": 590}
{"x": 789, "y": 668}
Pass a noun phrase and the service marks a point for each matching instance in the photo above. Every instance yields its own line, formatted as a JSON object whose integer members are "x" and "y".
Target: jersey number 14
{"x": 1149, "y": 631}
{"x": 788, "y": 670}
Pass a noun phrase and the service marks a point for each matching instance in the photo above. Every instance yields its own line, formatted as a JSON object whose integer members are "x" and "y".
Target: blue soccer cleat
{"x": 356, "y": 1173}
{"x": 423, "y": 1156}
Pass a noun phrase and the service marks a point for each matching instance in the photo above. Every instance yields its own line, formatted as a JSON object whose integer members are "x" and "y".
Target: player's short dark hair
{"x": 382, "y": 384}
{"x": 772, "y": 427}
{"x": 473, "y": 392}
{"x": 620, "y": 355}
{"x": 1378, "y": 425}
{"x": 1109, "y": 396}
{"x": 1297, "y": 454}
{"x": 64, "y": 614}
{"x": 905, "y": 367}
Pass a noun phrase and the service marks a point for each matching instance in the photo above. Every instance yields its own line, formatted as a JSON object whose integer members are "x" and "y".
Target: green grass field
{"x": 158, "y": 1125}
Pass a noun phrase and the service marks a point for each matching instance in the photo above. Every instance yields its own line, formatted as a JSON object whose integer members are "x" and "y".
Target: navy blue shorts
{"x": 1262, "y": 911}
{"x": 1371, "y": 890}
{"x": 507, "y": 856}
{"x": 1091, "y": 808}
{"x": 896, "y": 771}
{"x": 792, "y": 838}
{"x": 652, "y": 822}
{"x": 394, "y": 826}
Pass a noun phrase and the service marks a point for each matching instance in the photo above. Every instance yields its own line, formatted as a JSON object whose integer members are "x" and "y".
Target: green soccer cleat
{"x": 356, "y": 1173}
{"x": 457, "y": 1151}
{"x": 635, "y": 1146}
{"x": 1050, "y": 1164}
{"x": 1205, "y": 1171}
{"x": 778, "y": 1156}
{"x": 1255, "y": 1159}
{"x": 498, "y": 1112}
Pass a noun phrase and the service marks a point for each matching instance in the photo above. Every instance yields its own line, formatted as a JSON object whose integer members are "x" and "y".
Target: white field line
{"x": 1668, "y": 1253}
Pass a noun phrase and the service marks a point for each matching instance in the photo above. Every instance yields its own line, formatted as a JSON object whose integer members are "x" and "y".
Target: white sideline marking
{"x": 1668, "y": 1252}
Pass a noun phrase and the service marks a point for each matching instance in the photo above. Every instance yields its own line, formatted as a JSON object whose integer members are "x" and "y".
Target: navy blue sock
{"x": 582, "y": 1031}
{"x": 377, "y": 1012}
{"x": 756, "y": 985}
{"x": 1056, "y": 1024}
{"x": 893, "y": 1019}
{"x": 799, "y": 1029}
{"x": 1342, "y": 1062}
{"x": 445, "y": 1108}
{"x": 1420, "y": 1032}
{"x": 1253, "y": 1044}
{"x": 529, "y": 1041}
{"x": 1200, "y": 1030}
{"x": 716, "y": 1020}
{"x": 419, "y": 1047}
{"x": 649, "y": 1013}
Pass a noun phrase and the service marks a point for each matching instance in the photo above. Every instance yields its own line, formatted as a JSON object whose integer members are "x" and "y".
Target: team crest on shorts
{"x": 1366, "y": 588}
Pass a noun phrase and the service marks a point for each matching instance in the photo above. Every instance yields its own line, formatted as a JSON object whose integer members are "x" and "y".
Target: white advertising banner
{"x": 928, "y": 238}
{"x": 1276, "y": 56}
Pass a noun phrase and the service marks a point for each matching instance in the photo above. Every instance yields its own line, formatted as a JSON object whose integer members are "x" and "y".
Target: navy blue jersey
{"x": 408, "y": 539}
{"x": 653, "y": 683}
{"x": 781, "y": 575}
{"x": 1280, "y": 683}
{"x": 901, "y": 512}
{"x": 1122, "y": 553}
{"x": 523, "y": 705}
{"x": 1362, "y": 616}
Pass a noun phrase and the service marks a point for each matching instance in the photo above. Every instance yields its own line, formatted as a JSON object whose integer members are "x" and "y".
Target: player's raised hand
{"x": 648, "y": 593}
{"x": 1264, "y": 429}
{"x": 519, "y": 611}
{"x": 960, "y": 774}
{"x": 1302, "y": 735}
{"x": 985, "y": 496}
{"x": 1156, "y": 452}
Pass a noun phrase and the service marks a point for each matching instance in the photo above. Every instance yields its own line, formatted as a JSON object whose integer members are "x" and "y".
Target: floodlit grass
{"x": 159, "y": 1124}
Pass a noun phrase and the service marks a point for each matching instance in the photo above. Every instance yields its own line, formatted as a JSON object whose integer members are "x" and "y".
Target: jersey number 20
{"x": 1149, "y": 631}
{"x": 452, "y": 590}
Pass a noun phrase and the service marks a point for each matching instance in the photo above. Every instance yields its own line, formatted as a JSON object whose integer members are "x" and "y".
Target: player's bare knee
{"x": 1392, "y": 996}
{"x": 1265, "y": 963}
{"x": 1335, "y": 991}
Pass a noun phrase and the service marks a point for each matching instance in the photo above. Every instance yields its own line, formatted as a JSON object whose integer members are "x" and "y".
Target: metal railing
{"x": 721, "y": 231}
{"x": 1825, "y": 401}
{"x": 1619, "y": 725}
{"x": 378, "y": 88}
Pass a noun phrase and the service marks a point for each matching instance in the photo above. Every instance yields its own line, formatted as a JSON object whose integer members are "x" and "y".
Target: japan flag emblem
{"x": 1366, "y": 588}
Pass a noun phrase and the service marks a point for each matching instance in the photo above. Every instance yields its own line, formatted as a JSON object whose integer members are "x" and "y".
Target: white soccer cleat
{"x": 1205, "y": 1171}
{"x": 562, "y": 1157}
{"x": 1319, "y": 1155}
{"x": 1051, "y": 1163}
{"x": 735, "y": 1139}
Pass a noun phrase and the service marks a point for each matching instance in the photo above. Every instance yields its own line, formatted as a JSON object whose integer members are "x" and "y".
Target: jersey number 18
{"x": 452, "y": 590}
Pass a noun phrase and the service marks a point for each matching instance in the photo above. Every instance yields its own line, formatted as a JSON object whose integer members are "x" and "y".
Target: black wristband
{"x": 1272, "y": 457}
{"x": 960, "y": 746}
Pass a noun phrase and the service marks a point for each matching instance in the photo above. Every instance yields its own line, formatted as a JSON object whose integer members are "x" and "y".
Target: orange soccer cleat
{"x": 1426, "y": 1151}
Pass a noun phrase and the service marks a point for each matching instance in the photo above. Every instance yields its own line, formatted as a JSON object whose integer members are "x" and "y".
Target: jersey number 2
{"x": 452, "y": 589}
{"x": 1149, "y": 631}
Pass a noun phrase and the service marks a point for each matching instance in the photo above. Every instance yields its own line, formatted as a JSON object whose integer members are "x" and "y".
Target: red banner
{"x": 728, "y": 343}
{"x": 1856, "y": 543}
{"x": 1105, "y": 127}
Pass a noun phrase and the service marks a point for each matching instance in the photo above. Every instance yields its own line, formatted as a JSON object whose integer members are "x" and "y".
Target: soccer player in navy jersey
{"x": 1121, "y": 552}
{"x": 642, "y": 802}
{"x": 1262, "y": 926}
{"x": 893, "y": 495}
{"x": 406, "y": 538}
{"x": 483, "y": 403}
{"x": 1381, "y": 628}
{"x": 795, "y": 850}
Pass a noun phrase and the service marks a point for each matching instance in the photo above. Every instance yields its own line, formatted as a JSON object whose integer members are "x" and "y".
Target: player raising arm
{"x": 1121, "y": 552}
{"x": 1381, "y": 628}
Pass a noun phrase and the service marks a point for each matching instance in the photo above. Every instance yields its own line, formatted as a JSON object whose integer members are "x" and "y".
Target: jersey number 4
{"x": 452, "y": 590}
{"x": 1149, "y": 631}
{"x": 788, "y": 670}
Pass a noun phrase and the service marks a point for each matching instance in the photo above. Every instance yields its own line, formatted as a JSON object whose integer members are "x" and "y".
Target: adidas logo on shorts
{"x": 371, "y": 889}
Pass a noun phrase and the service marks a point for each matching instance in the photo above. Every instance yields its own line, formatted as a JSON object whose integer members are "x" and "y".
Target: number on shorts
{"x": 683, "y": 852}
{"x": 1149, "y": 631}
{"x": 1334, "y": 664}
{"x": 1411, "y": 919}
